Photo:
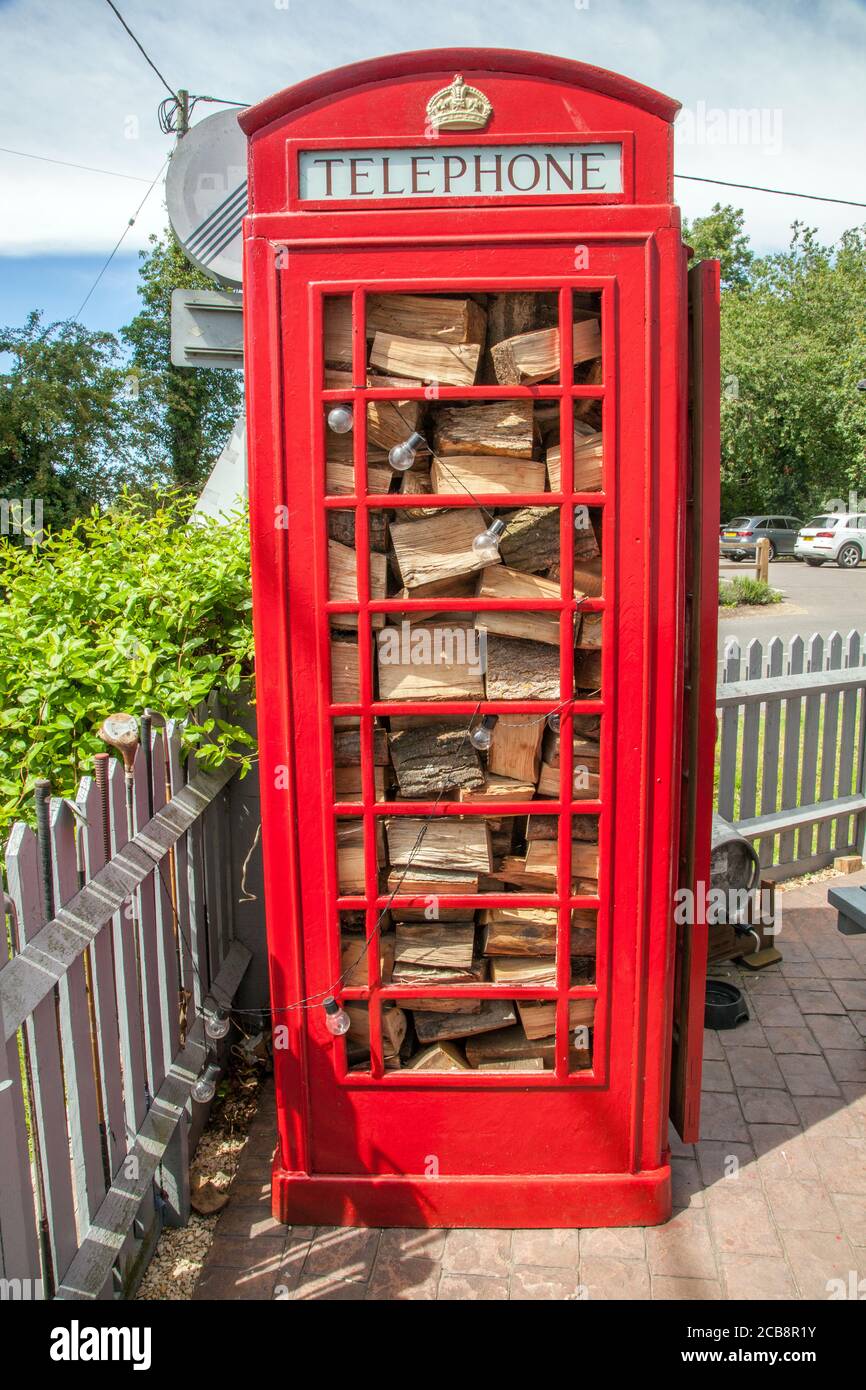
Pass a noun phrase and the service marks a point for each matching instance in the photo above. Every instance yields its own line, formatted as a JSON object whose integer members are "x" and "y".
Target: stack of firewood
{"x": 488, "y": 448}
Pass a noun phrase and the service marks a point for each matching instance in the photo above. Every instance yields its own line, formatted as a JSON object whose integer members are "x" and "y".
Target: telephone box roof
{"x": 503, "y": 60}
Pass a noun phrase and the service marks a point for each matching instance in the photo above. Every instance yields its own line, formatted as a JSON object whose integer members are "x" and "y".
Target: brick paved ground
{"x": 784, "y": 1109}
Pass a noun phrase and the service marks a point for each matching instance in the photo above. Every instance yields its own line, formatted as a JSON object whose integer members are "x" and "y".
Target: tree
{"x": 181, "y": 416}
{"x": 793, "y": 349}
{"x": 720, "y": 236}
{"x": 61, "y": 418}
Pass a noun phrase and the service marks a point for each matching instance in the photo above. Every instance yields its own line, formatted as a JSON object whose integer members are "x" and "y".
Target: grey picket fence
{"x": 790, "y": 754}
{"x": 119, "y": 938}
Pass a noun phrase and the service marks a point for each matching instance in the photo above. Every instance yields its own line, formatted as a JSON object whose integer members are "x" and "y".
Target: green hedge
{"x": 129, "y": 608}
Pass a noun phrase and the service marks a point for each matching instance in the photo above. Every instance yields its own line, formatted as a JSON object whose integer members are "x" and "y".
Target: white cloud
{"x": 77, "y": 88}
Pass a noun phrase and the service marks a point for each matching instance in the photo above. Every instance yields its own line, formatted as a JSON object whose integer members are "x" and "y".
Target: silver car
{"x": 839, "y": 536}
{"x": 738, "y": 539}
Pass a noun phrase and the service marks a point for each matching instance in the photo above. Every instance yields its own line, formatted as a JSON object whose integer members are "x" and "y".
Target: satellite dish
{"x": 206, "y": 193}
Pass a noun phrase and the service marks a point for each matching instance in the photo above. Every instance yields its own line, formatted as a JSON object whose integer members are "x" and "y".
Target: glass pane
{"x": 586, "y": 338}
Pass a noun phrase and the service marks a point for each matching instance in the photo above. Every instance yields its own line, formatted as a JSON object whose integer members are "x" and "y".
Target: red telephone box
{"x": 485, "y": 679}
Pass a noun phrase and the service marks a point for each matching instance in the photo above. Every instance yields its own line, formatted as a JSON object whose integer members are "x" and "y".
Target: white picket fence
{"x": 791, "y": 767}
{"x": 119, "y": 935}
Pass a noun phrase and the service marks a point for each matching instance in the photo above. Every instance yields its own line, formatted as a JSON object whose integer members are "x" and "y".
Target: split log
{"x": 539, "y": 1018}
{"x": 426, "y": 316}
{"x": 353, "y": 960}
{"x": 436, "y": 976}
{"x": 586, "y": 546}
{"x": 430, "y": 661}
{"x": 587, "y": 578}
{"x": 492, "y": 1015}
{"x": 542, "y": 859}
{"x": 437, "y": 547}
{"x": 516, "y": 748}
{"x": 526, "y": 931}
{"x": 344, "y": 672}
{"x": 508, "y": 314}
{"x": 453, "y": 1004}
{"x": 337, "y": 331}
{"x": 584, "y": 932}
{"x": 446, "y": 843}
{"x": 418, "y": 881}
{"x": 486, "y": 474}
{"x": 343, "y": 581}
{"x": 533, "y": 357}
{"x": 513, "y": 1064}
{"x": 590, "y": 631}
{"x": 391, "y": 422}
{"x": 394, "y": 1026}
{"x": 430, "y": 758}
{"x": 531, "y": 539}
{"x": 340, "y": 477}
{"x": 520, "y": 670}
{"x": 452, "y": 364}
{"x": 588, "y": 407}
{"x": 524, "y": 972}
{"x": 495, "y": 788}
{"x": 542, "y": 828}
{"x": 585, "y": 782}
{"x": 504, "y": 427}
{"x": 435, "y": 943}
{"x": 416, "y": 482}
{"x": 588, "y": 455}
{"x": 512, "y": 870}
{"x": 587, "y": 670}
{"x": 509, "y": 1045}
{"x": 350, "y": 857}
{"x": 348, "y": 784}
{"x": 441, "y": 1056}
{"x": 498, "y": 581}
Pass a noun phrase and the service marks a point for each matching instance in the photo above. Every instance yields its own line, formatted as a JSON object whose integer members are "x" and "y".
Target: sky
{"x": 76, "y": 88}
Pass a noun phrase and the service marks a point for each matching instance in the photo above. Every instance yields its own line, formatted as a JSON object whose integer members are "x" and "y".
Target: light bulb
{"x": 204, "y": 1089}
{"x": 482, "y": 735}
{"x": 217, "y": 1023}
{"x": 553, "y": 723}
{"x": 337, "y": 1021}
{"x": 340, "y": 419}
{"x": 402, "y": 456}
{"x": 486, "y": 544}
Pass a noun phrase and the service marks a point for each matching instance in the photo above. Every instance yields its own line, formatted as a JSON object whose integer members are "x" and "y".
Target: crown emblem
{"x": 458, "y": 107}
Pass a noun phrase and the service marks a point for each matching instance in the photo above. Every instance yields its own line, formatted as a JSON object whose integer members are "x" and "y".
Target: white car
{"x": 839, "y": 536}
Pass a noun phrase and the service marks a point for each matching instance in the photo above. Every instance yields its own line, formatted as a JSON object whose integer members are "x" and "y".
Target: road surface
{"x": 815, "y": 600}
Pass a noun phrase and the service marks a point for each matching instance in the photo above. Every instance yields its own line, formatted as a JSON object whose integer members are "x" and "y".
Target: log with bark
{"x": 347, "y": 747}
{"x": 531, "y": 539}
{"x": 343, "y": 581}
{"x": 590, "y": 630}
{"x": 525, "y": 972}
{"x": 341, "y": 527}
{"x": 422, "y": 881}
{"x": 434, "y": 1027}
{"x": 509, "y": 1044}
{"x": 430, "y": 758}
{"x": 520, "y": 670}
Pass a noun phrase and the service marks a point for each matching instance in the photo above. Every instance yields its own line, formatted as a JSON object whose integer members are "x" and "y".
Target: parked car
{"x": 738, "y": 539}
{"x": 839, "y": 536}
